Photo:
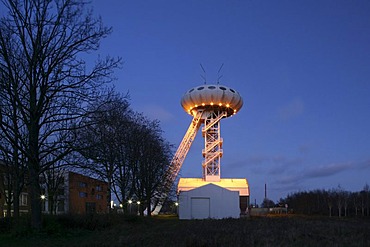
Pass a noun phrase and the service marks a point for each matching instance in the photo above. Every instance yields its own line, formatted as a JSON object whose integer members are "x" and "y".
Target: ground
{"x": 169, "y": 231}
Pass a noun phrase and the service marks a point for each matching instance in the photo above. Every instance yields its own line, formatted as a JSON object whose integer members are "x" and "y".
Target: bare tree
{"x": 41, "y": 43}
{"x": 366, "y": 192}
{"x": 125, "y": 149}
{"x": 151, "y": 164}
{"x": 53, "y": 179}
{"x": 12, "y": 132}
{"x": 101, "y": 140}
{"x": 339, "y": 199}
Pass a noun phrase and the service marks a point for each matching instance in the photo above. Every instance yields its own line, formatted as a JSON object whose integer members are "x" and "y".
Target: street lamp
{"x": 43, "y": 198}
{"x": 177, "y": 207}
{"x": 129, "y": 203}
{"x": 138, "y": 207}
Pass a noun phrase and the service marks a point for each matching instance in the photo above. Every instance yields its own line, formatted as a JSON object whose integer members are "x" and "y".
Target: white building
{"x": 199, "y": 199}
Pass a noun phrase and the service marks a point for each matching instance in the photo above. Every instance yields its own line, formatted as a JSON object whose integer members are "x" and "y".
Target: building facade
{"x": 74, "y": 194}
{"x": 86, "y": 195}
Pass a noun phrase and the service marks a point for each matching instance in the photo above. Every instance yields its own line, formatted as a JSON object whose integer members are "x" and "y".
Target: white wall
{"x": 209, "y": 201}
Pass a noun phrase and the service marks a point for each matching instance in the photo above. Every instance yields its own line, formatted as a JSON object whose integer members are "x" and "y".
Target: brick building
{"x": 86, "y": 194}
{"x": 76, "y": 194}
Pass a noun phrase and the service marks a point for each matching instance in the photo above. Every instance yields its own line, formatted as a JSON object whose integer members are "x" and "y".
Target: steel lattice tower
{"x": 208, "y": 104}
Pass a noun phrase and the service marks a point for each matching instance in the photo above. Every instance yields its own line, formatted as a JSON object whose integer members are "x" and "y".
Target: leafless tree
{"x": 52, "y": 182}
{"x": 154, "y": 156}
{"x": 47, "y": 79}
{"x": 365, "y": 199}
{"x": 339, "y": 199}
{"x": 101, "y": 141}
{"x": 12, "y": 132}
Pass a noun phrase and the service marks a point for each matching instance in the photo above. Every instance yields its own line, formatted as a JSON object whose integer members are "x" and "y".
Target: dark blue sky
{"x": 302, "y": 68}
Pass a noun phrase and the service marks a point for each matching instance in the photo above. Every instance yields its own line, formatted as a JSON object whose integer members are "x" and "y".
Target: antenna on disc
{"x": 218, "y": 73}
{"x": 203, "y": 76}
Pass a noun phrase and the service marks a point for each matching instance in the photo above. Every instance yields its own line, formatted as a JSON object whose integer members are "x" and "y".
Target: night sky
{"x": 302, "y": 68}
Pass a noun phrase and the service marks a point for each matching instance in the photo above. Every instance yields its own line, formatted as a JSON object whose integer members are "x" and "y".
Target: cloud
{"x": 156, "y": 112}
{"x": 291, "y": 110}
{"x": 322, "y": 171}
{"x": 329, "y": 170}
{"x": 265, "y": 164}
{"x": 364, "y": 164}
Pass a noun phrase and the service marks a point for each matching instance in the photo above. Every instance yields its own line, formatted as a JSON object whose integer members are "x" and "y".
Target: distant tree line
{"x": 334, "y": 202}
{"x": 58, "y": 111}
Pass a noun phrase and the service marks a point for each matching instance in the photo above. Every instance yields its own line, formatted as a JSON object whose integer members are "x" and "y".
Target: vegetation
{"x": 120, "y": 230}
{"x": 57, "y": 109}
{"x": 126, "y": 149}
{"x": 333, "y": 202}
{"x": 45, "y": 83}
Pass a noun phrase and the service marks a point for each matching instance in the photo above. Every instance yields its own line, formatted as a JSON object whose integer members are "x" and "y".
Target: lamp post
{"x": 129, "y": 207}
{"x": 43, "y": 198}
{"x": 177, "y": 207}
{"x": 138, "y": 207}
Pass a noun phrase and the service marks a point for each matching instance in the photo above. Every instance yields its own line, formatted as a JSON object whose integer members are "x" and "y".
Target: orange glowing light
{"x": 203, "y": 104}
{"x": 211, "y": 103}
{"x": 220, "y": 104}
{"x": 227, "y": 105}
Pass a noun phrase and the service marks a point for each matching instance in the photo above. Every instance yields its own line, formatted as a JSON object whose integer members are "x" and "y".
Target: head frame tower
{"x": 208, "y": 104}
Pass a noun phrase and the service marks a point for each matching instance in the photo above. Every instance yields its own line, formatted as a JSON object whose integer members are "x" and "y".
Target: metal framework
{"x": 178, "y": 159}
{"x": 212, "y": 152}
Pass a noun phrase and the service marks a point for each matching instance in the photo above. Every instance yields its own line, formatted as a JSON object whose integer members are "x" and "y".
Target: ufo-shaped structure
{"x": 207, "y": 104}
{"x": 212, "y": 98}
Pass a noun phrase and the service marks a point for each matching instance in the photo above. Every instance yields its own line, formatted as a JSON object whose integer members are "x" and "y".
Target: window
{"x": 82, "y": 194}
{"x": 83, "y": 184}
{"x": 99, "y": 197}
{"x": 99, "y": 188}
{"x": 6, "y": 196}
{"x": 23, "y": 199}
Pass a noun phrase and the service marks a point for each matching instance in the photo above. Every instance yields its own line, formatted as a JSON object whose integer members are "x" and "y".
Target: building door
{"x": 200, "y": 208}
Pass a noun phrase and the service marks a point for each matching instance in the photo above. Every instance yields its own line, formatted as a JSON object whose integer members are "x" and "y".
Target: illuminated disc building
{"x": 209, "y": 196}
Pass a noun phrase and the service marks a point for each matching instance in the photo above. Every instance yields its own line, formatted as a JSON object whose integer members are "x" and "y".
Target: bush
{"x": 5, "y": 224}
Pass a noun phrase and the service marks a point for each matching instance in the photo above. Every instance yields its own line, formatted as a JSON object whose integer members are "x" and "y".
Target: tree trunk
{"x": 149, "y": 209}
{"x": 35, "y": 193}
{"x": 109, "y": 196}
{"x": 16, "y": 194}
{"x": 9, "y": 203}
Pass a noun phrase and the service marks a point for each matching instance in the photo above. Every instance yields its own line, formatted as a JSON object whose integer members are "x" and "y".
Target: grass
{"x": 121, "y": 230}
